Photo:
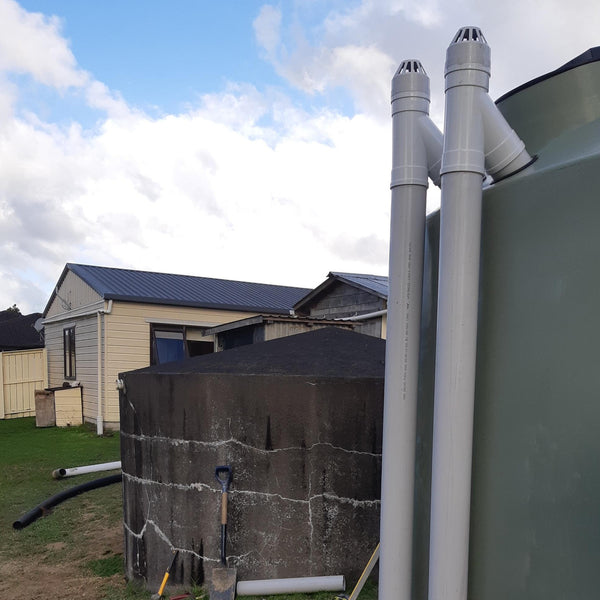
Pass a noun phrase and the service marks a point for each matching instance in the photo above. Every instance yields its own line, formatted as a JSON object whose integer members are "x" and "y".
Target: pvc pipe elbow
{"x": 417, "y": 142}
{"x": 505, "y": 152}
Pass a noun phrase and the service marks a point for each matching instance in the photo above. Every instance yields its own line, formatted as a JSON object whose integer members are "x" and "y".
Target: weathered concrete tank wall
{"x": 305, "y": 448}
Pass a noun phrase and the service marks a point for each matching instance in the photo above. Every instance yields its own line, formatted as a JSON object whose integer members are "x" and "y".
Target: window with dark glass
{"x": 170, "y": 342}
{"x": 167, "y": 345}
{"x": 69, "y": 352}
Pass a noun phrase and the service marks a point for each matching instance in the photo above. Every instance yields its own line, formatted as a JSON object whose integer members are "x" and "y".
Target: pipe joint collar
{"x": 470, "y": 75}
{"x": 408, "y": 103}
{"x": 410, "y": 175}
{"x": 460, "y": 160}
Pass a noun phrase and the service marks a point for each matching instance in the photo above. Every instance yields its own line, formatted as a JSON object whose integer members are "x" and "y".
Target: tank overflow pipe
{"x": 476, "y": 139}
{"x": 416, "y": 155}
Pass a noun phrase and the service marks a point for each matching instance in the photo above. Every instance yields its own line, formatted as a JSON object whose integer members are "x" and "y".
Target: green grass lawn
{"x": 71, "y": 534}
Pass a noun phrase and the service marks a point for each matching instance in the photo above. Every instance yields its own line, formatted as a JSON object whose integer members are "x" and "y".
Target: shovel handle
{"x": 224, "y": 508}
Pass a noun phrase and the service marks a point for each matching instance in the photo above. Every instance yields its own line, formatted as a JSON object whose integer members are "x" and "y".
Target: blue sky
{"x": 163, "y": 54}
{"x": 243, "y": 139}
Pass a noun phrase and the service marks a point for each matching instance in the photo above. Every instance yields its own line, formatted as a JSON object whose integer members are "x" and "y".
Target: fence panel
{"x": 21, "y": 373}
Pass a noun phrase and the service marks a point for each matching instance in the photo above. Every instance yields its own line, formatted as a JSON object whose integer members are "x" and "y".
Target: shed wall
{"x": 343, "y": 300}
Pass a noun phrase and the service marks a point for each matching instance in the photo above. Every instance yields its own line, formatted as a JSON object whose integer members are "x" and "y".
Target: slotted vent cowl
{"x": 410, "y": 66}
{"x": 469, "y": 34}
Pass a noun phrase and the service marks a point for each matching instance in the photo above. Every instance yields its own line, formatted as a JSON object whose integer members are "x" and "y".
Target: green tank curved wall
{"x": 535, "y": 512}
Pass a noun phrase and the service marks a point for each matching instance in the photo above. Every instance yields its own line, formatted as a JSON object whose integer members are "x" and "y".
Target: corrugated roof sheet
{"x": 375, "y": 283}
{"x": 186, "y": 290}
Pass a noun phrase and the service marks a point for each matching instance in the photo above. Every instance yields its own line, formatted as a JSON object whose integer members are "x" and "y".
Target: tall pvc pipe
{"x": 417, "y": 147}
{"x": 475, "y": 135}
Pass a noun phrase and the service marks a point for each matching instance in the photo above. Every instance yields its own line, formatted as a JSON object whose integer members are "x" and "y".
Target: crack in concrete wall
{"x": 306, "y": 461}
{"x": 222, "y": 443}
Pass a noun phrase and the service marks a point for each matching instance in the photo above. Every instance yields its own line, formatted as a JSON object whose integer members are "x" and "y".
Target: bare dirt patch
{"x": 59, "y": 569}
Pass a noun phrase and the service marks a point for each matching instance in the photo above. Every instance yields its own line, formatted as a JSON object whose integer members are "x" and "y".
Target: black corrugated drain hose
{"x": 42, "y": 508}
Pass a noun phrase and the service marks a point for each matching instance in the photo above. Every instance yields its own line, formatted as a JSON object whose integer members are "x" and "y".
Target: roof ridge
{"x": 129, "y": 270}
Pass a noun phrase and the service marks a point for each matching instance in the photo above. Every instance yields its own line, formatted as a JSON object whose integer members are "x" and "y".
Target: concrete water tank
{"x": 299, "y": 421}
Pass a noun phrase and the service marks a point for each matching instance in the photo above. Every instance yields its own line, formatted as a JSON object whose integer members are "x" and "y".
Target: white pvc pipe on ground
{"x": 416, "y": 152}
{"x": 292, "y": 585}
{"x": 109, "y": 466}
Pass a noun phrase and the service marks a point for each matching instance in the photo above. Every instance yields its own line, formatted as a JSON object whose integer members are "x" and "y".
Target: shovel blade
{"x": 222, "y": 583}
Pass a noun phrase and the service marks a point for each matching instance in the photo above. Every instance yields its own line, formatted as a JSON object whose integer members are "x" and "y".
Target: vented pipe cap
{"x": 410, "y": 87}
{"x": 468, "y": 59}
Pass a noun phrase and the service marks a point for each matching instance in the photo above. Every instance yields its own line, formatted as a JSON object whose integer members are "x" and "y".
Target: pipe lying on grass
{"x": 109, "y": 466}
{"x": 291, "y": 585}
{"x": 41, "y": 509}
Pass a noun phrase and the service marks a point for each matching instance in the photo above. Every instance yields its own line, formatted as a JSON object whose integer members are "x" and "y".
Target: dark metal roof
{"x": 378, "y": 284}
{"x": 375, "y": 284}
{"x": 19, "y": 333}
{"x": 184, "y": 290}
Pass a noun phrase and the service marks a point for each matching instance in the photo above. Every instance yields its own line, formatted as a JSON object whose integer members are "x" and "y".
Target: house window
{"x": 69, "y": 352}
{"x": 169, "y": 343}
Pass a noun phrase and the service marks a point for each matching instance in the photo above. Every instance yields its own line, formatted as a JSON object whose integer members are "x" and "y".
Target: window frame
{"x": 187, "y": 342}
{"x": 69, "y": 353}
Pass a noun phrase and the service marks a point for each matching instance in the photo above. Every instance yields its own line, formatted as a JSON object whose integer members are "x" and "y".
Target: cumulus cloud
{"x": 32, "y": 43}
{"x": 247, "y": 183}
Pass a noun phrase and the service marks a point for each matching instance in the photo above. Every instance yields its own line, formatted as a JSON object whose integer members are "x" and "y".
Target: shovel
{"x": 223, "y": 578}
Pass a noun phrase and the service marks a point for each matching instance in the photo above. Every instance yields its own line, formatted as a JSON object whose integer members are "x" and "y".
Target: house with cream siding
{"x": 102, "y": 321}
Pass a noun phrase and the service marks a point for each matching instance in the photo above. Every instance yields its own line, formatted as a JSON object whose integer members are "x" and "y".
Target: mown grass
{"x": 28, "y": 455}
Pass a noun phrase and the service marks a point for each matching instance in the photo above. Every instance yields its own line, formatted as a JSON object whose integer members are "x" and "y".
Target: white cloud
{"x": 267, "y": 28}
{"x": 245, "y": 184}
{"x": 32, "y": 43}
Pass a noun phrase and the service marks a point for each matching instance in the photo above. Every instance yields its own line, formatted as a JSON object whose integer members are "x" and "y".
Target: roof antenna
{"x": 66, "y": 305}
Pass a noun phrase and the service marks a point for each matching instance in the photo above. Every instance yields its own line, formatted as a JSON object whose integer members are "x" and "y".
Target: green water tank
{"x": 535, "y": 508}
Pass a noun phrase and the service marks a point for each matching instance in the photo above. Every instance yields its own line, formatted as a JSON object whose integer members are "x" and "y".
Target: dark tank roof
{"x": 589, "y": 56}
{"x": 327, "y": 352}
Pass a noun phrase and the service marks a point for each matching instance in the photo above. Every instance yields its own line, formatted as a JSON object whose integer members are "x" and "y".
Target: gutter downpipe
{"x": 416, "y": 154}
{"x": 476, "y": 139}
{"x": 101, "y": 341}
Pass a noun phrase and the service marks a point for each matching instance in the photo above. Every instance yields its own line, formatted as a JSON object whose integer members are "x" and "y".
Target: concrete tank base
{"x": 304, "y": 446}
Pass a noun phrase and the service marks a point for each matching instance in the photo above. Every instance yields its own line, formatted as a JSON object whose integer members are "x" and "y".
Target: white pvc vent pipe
{"x": 476, "y": 137}
{"x": 417, "y": 149}
{"x": 291, "y": 585}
